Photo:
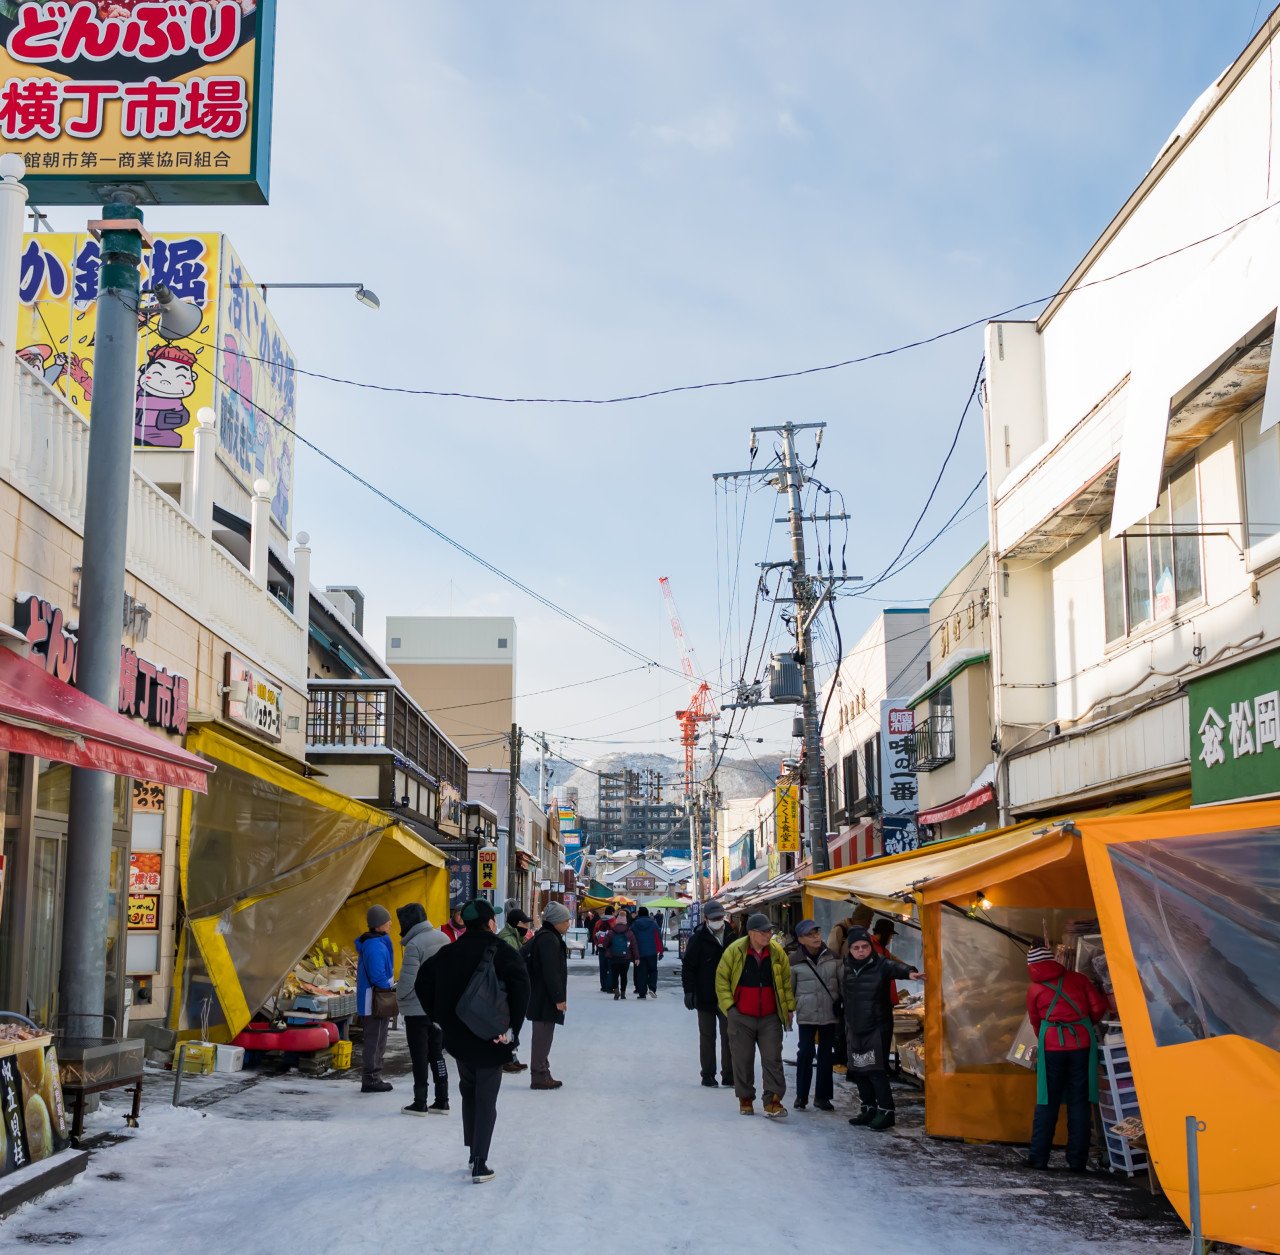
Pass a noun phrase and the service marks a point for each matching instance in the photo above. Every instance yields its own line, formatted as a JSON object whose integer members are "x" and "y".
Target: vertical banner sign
{"x": 787, "y": 810}
{"x": 488, "y": 863}
{"x": 898, "y": 788}
{"x": 172, "y": 97}
{"x": 461, "y": 880}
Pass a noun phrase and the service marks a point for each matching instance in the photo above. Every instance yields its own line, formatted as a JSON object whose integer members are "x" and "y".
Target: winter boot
{"x": 709, "y": 1082}
{"x": 773, "y": 1107}
{"x": 746, "y": 1107}
{"x": 884, "y": 1120}
{"x": 440, "y": 1107}
{"x": 865, "y": 1116}
{"x": 800, "y": 1104}
{"x": 616, "y": 995}
{"x": 823, "y": 1104}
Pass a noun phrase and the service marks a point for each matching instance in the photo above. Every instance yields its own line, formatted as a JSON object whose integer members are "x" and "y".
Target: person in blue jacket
{"x": 376, "y": 969}
{"x": 649, "y": 946}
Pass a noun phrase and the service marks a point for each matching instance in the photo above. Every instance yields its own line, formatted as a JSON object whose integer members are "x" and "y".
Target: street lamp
{"x": 363, "y": 295}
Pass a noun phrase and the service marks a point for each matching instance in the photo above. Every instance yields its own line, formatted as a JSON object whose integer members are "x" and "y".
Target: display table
{"x": 90, "y": 1065}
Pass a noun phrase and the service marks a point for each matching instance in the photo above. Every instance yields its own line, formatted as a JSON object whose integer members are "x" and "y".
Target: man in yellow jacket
{"x": 753, "y": 988}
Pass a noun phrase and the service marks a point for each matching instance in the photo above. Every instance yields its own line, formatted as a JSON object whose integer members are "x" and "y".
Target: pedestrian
{"x": 658, "y": 920}
{"x": 815, "y": 979}
{"x": 455, "y": 927}
{"x": 869, "y": 1025}
{"x": 600, "y": 939}
{"x": 753, "y": 988}
{"x": 649, "y": 949}
{"x": 620, "y": 943}
{"x": 513, "y": 932}
{"x": 1065, "y": 1008}
{"x": 375, "y": 973}
{"x": 419, "y": 941}
{"x": 882, "y": 932}
{"x": 838, "y": 937}
{"x": 441, "y": 983}
{"x": 702, "y": 954}
{"x": 548, "y": 963}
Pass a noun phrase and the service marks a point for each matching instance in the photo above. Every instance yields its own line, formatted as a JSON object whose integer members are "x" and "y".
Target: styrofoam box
{"x": 229, "y": 1059}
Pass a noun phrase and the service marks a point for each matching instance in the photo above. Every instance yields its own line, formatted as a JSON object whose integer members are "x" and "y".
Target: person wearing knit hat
{"x": 702, "y": 954}
{"x": 548, "y": 964}
{"x": 375, "y": 970}
{"x": 1064, "y": 1009}
{"x": 868, "y": 1017}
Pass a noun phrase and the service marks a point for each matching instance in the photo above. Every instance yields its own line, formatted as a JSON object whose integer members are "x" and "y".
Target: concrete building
{"x": 462, "y": 672}
{"x": 1134, "y": 472}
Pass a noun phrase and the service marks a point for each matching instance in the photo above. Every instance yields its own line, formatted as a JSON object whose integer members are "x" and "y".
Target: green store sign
{"x": 1235, "y": 732}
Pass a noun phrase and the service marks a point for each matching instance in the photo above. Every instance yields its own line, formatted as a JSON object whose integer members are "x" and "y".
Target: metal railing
{"x": 933, "y": 742}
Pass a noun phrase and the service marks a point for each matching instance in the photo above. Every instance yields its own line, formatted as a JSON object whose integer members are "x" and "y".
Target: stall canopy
{"x": 266, "y": 861}
{"x": 784, "y": 886}
{"x": 46, "y": 718}
{"x": 1189, "y": 906}
{"x": 736, "y": 888}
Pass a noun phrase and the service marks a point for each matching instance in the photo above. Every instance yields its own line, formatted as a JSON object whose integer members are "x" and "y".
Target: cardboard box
{"x": 199, "y": 1058}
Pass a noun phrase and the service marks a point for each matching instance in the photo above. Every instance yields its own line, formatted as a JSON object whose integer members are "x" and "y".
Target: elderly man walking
{"x": 753, "y": 987}
{"x": 548, "y": 959}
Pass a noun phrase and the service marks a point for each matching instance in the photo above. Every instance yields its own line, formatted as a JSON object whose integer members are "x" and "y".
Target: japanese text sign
{"x": 488, "y": 863}
{"x": 787, "y": 809}
{"x": 173, "y": 96}
{"x": 144, "y": 891}
{"x": 253, "y": 699}
{"x": 1235, "y": 732}
{"x": 898, "y": 788}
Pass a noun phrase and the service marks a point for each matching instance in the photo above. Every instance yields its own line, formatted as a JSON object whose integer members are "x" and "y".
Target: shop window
{"x": 1202, "y": 922}
{"x": 1261, "y": 481}
{"x": 1156, "y": 570}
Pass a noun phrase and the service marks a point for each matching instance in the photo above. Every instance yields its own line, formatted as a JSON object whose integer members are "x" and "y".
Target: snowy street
{"x": 631, "y": 1155}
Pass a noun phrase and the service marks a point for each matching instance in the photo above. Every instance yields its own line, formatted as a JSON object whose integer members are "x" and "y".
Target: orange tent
{"x": 1189, "y": 905}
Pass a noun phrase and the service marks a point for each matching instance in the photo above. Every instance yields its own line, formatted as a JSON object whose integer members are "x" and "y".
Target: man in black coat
{"x": 548, "y": 959}
{"x": 698, "y": 975}
{"x": 441, "y": 981}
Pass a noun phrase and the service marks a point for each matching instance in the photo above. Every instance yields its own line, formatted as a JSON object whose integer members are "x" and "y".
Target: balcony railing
{"x": 372, "y": 715}
{"x": 934, "y": 742}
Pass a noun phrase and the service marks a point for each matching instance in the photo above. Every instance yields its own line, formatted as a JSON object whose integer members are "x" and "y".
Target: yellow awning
{"x": 887, "y": 884}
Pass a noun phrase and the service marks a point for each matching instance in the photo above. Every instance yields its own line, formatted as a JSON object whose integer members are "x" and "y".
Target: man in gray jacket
{"x": 426, "y": 1042}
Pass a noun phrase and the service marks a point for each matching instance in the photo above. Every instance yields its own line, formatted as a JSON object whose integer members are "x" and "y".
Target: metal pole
{"x": 512, "y": 799}
{"x": 1194, "y": 1128}
{"x": 542, "y": 769}
{"x": 814, "y": 777}
{"x": 106, "y": 522}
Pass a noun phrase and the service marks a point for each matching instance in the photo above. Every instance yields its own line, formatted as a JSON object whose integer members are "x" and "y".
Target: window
{"x": 1155, "y": 570}
{"x": 871, "y": 768}
{"x": 502, "y": 642}
{"x": 1261, "y": 480}
{"x": 395, "y": 642}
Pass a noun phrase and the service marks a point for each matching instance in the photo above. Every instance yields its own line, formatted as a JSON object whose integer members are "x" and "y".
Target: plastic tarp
{"x": 1189, "y": 905}
{"x": 265, "y": 860}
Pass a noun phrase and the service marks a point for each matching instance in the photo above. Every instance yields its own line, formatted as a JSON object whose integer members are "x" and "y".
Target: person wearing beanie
{"x": 375, "y": 969}
{"x": 515, "y": 932}
{"x": 418, "y": 942}
{"x": 815, "y": 979}
{"x": 753, "y": 988}
{"x": 868, "y": 1017}
{"x": 620, "y": 946}
{"x": 548, "y": 964}
{"x": 441, "y": 982}
{"x": 702, "y": 955}
{"x": 649, "y": 947}
{"x": 600, "y": 940}
{"x": 1064, "y": 1009}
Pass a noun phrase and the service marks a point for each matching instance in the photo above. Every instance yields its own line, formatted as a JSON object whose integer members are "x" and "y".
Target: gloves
{"x": 690, "y": 1001}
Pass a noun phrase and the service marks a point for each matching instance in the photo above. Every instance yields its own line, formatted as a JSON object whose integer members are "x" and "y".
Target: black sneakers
{"x": 824, "y": 1104}
{"x": 710, "y": 1083}
{"x": 415, "y": 1109}
{"x": 480, "y": 1173}
{"x": 438, "y": 1108}
{"x": 376, "y": 1087}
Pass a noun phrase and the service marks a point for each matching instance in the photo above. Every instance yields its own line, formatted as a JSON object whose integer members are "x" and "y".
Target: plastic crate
{"x": 199, "y": 1058}
{"x": 341, "y": 1005}
{"x": 340, "y": 1055}
{"x": 1117, "y": 1099}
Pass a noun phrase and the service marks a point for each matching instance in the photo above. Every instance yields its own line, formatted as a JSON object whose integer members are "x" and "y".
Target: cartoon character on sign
{"x": 165, "y": 380}
{"x": 42, "y": 358}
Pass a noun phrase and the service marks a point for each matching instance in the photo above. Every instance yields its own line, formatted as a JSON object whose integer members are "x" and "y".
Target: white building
{"x": 1134, "y": 470}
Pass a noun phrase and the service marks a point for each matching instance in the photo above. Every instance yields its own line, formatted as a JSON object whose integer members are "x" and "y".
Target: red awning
{"x": 47, "y": 718}
{"x": 961, "y": 806}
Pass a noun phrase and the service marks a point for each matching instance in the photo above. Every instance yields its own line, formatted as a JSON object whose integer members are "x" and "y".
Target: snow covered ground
{"x": 631, "y": 1155}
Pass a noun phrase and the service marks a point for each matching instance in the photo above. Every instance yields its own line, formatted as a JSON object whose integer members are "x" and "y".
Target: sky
{"x": 584, "y": 199}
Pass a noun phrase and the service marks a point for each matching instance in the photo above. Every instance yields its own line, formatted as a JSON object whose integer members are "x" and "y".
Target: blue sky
{"x": 587, "y": 199}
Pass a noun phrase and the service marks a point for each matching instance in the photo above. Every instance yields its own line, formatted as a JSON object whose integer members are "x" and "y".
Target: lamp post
{"x": 106, "y": 523}
{"x": 363, "y": 295}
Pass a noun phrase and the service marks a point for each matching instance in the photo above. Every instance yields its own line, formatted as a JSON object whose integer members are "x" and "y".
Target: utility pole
{"x": 513, "y": 797}
{"x": 542, "y": 769}
{"x": 695, "y": 845}
{"x": 808, "y": 596}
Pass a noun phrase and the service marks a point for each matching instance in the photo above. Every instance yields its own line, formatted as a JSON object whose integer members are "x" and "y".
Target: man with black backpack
{"x": 477, "y": 990}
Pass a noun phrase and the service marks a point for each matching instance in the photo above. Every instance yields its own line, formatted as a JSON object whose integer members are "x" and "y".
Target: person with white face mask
{"x": 698, "y": 975}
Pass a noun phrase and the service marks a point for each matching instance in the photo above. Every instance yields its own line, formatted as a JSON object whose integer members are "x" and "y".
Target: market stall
{"x": 1189, "y": 905}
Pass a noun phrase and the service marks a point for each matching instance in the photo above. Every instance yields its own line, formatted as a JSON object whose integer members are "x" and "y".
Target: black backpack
{"x": 619, "y": 946}
{"x": 483, "y": 1006}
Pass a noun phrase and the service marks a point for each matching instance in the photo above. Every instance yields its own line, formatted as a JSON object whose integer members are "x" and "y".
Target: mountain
{"x": 737, "y": 778}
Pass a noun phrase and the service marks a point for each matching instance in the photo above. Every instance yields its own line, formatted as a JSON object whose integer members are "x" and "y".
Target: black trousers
{"x": 619, "y": 974}
{"x": 479, "y": 1089}
{"x": 426, "y": 1049}
{"x": 708, "y": 1024}
{"x": 1067, "y": 1080}
{"x": 874, "y": 1089}
{"x": 606, "y": 972}
{"x": 819, "y": 1039}
{"x": 647, "y": 975}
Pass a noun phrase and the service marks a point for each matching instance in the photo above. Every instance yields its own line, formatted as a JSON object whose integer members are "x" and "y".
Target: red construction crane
{"x": 702, "y": 706}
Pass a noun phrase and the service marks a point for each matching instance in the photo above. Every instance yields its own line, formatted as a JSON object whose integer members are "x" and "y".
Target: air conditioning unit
{"x": 785, "y": 680}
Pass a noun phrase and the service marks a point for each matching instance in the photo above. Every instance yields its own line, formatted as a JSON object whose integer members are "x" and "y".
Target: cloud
{"x": 788, "y": 126}
{"x": 710, "y": 131}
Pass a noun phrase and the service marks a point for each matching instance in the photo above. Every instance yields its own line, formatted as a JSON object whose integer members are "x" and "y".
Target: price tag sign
{"x": 488, "y": 862}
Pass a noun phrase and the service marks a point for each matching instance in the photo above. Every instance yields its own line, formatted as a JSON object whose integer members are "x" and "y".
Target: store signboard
{"x": 899, "y": 792}
{"x": 787, "y": 816}
{"x": 639, "y": 884}
{"x": 461, "y": 879}
{"x": 173, "y": 97}
{"x": 148, "y": 797}
{"x": 144, "y": 891}
{"x": 252, "y": 699}
{"x": 488, "y": 864}
{"x": 236, "y": 363}
{"x": 1234, "y": 721}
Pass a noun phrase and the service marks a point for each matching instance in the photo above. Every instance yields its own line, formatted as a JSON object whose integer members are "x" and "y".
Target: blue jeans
{"x": 647, "y": 975}
{"x": 1067, "y": 1080}
{"x": 820, "y": 1038}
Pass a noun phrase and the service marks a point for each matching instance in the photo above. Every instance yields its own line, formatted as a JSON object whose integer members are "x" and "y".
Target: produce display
{"x": 326, "y": 969}
{"x": 20, "y": 1032}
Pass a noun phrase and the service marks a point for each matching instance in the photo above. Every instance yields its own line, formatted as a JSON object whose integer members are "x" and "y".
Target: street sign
{"x": 488, "y": 862}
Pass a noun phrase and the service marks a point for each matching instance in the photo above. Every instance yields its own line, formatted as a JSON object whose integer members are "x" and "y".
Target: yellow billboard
{"x": 236, "y": 362}
{"x": 174, "y": 97}
{"x": 787, "y": 811}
